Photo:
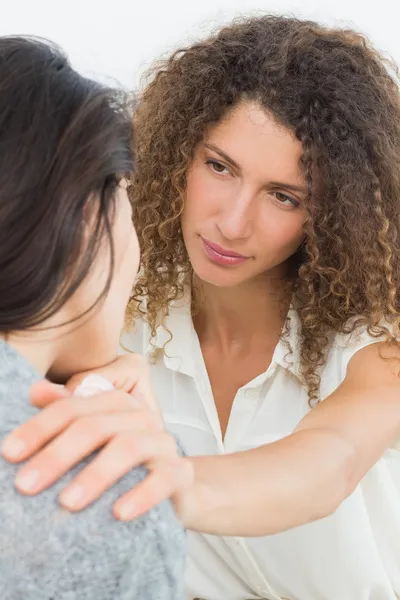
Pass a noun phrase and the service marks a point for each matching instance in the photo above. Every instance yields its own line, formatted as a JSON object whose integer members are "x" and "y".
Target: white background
{"x": 118, "y": 39}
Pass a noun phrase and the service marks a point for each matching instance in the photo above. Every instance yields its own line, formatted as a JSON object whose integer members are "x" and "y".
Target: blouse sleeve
{"x": 348, "y": 345}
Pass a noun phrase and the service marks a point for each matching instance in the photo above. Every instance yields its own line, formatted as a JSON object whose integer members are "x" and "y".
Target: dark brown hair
{"x": 341, "y": 100}
{"x": 65, "y": 141}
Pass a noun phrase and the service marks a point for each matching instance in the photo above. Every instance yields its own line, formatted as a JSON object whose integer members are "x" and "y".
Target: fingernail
{"x": 13, "y": 447}
{"x": 126, "y": 512}
{"x": 26, "y": 482}
{"x": 70, "y": 497}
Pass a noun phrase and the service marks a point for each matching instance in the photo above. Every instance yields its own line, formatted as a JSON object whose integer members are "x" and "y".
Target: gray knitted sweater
{"x": 48, "y": 554}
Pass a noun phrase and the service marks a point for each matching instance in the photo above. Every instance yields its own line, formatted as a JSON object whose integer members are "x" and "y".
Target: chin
{"x": 209, "y": 274}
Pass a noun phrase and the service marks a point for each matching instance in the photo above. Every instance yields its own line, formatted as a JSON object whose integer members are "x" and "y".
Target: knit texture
{"x": 47, "y": 553}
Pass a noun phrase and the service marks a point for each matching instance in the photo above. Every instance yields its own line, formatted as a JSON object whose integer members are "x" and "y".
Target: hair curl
{"x": 341, "y": 99}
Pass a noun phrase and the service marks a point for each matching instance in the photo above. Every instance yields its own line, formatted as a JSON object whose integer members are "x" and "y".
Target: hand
{"x": 129, "y": 372}
{"x": 128, "y": 427}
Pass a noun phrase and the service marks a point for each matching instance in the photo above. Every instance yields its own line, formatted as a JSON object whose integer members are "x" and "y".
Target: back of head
{"x": 340, "y": 98}
{"x": 65, "y": 141}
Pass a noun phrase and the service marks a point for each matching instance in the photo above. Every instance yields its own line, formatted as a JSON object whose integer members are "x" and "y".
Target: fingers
{"x": 76, "y": 380}
{"x": 44, "y": 392}
{"x": 124, "y": 372}
{"x": 53, "y": 419}
{"x": 76, "y": 443}
{"x": 165, "y": 481}
{"x": 129, "y": 373}
{"x": 121, "y": 454}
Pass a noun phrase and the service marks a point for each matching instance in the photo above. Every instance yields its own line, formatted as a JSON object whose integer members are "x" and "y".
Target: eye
{"x": 217, "y": 167}
{"x": 286, "y": 200}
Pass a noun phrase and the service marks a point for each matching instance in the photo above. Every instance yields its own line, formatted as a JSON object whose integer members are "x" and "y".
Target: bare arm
{"x": 306, "y": 475}
{"x": 293, "y": 481}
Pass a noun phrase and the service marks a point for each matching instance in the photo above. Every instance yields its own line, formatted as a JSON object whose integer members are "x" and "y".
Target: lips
{"x": 220, "y": 255}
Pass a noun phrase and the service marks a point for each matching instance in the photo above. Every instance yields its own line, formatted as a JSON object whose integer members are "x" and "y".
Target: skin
{"x": 244, "y": 192}
{"x": 331, "y": 449}
{"x": 233, "y": 198}
{"x": 59, "y": 347}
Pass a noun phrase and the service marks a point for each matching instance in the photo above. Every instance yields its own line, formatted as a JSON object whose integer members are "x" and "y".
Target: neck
{"x": 39, "y": 349}
{"x": 254, "y": 310}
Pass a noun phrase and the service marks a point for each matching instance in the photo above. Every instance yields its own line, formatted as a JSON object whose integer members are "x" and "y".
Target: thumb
{"x": 44, "y": 392}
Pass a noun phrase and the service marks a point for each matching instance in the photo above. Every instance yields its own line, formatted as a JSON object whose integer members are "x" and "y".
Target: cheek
{"x": 294, "y": 234}
{"x": 130, "y": 260}
{"x": 284, "y": 235}
{"x": 109, "y": 320}
{"x": 125, "y": 272}
{"x": 202, "y": 197}
{"x": 194, "y": 191}
{"x": 95, "y": 341}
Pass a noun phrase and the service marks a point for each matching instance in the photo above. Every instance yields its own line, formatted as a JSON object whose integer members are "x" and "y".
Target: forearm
{"x": 263, "y": 491}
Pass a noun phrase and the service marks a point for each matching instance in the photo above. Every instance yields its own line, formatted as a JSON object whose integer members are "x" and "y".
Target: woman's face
{"x": 244, "y": 208}
{"x": 93, "y": 340}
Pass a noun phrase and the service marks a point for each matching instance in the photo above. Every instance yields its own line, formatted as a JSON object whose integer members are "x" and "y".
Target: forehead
{"x": 257, "y": 142}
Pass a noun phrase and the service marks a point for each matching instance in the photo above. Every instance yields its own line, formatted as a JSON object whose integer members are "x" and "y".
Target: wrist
{"x": 197, "y": 505}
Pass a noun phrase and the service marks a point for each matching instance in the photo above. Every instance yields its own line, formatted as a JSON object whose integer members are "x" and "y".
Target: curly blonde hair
{"x": 340, "y": 97}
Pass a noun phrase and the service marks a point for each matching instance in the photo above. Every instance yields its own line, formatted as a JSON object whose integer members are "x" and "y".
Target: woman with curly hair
{"x": 267, "y": 203}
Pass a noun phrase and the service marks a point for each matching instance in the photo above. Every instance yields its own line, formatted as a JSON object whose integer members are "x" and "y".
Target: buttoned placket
{"x": 254, "y": 573}
{"x": 242, "y": 415}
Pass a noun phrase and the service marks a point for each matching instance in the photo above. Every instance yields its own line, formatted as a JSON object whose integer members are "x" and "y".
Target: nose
{"x": 236, "y": 220}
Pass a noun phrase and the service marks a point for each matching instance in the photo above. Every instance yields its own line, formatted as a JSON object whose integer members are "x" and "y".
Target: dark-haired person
{"x": 267, "y": 205}
{"x": 68, "y": 258}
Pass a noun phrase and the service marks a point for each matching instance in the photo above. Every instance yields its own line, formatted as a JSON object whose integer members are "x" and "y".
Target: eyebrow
{"x": 227, "y": 158}
{"x": 289, "y": 186}
{"x": 280, "y": 184}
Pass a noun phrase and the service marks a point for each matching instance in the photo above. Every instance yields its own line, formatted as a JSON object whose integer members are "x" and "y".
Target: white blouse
{"x": 354, "y": 554}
